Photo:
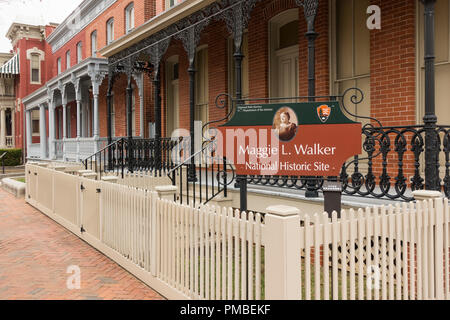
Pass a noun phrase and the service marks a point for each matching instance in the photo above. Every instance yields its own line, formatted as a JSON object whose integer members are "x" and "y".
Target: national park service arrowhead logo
{"x": 324, "y": 112}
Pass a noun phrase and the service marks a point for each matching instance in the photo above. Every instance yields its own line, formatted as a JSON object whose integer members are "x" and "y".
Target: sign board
{"x": 295, "y": 139}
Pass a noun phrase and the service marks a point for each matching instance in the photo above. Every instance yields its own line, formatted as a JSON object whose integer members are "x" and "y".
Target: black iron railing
{"x": 391, "y": 166}
{"x": 211, "y": 176}
{"x": 137, "y": 154}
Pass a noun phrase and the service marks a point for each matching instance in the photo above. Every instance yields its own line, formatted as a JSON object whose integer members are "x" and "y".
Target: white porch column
{"x": 97, "y": 77}
{"x": 42, "y": 132}
{"x": 78, "y": 118}
{"x": 64, "y": 121}
{"x": 29, "y": 132}
{"x": 13, "y": 126}
{"x": 96, "y": 132}
{"x": 2, "y": 127}
{"x": 84, "y": 120}
{"x": 51, "y": 130}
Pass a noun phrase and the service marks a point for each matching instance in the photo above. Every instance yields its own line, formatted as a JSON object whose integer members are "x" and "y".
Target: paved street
{"x": 35, "y": 253}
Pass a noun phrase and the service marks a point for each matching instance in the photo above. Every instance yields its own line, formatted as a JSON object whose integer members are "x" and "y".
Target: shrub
{"x": 13, "y": 157}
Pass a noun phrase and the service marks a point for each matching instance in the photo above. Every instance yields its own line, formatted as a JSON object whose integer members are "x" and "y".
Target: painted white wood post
{"x": 282, "y": 253}
{"x": 437, "y": 200}
{"x": 64, "y": 130}
{"x": 29, "y": 132}
{"x": 166, "y": 192}
{"x": 42, "y": 131}
{"x": 51, "y": 129}
{"x": 2, "y": 127}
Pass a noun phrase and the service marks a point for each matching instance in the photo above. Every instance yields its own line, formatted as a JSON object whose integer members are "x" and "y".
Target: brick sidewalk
{"x": 35, "y": 252}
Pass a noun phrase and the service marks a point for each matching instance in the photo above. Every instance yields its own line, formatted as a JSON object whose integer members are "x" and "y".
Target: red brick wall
{"x": 143, "y": 10}
{"x": 393, "y": 74}
{"x": 392, "y": 63}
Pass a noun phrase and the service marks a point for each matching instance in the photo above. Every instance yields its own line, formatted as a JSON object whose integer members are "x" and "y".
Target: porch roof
{"x": 11, "y": 67}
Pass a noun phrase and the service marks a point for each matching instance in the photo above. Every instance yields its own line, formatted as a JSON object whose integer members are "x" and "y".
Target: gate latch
{"x": 99, "y": 190}
{"x": 82, "y": 187}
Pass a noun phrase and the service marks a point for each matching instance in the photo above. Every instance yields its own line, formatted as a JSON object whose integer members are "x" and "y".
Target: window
{"x": 170, "y": 3}
{"x": 35, "y": 68}
{"x": 172, "y": 96}
{"x": 110, "y": 31}
{"x": 94, "y": 44}
{"x": 129, "y": 17}
{"x": 79, "y": 52}
{"x": 68, "y": 59}
{"x": 59, "y": 65}
{"x": 351, "y": 51}
{"x": 201, "y": 88}
{"x": 283, "y": 54}
{"x": 35, "y": 122}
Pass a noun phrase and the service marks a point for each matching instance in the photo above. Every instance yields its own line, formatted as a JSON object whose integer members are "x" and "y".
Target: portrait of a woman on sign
{"x": 285, "y": 124}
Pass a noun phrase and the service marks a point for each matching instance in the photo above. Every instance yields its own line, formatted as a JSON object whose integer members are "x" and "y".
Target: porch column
{"x": 129, "y": 109}
{"x": 51, "y": 130}
{"x": 64, "y": 121}
{"x": 190, "y": 38}
{"x": 97, "y": 77}
{"x": 432, "y": 180}
{"x": 28, "y": 132}
{"x": 78, "y": 127}
{"x": 130, "y": 125}
{"x": 42, "y": 131}
{"x": 157, "y": 112}
{"x": 141, "y": 114}
{"x": 109, "y": 102}
{"x": 13, "y": 126}
{"x": 310, "y": 9}
{"x": 96, "y": 133}
{"x": 2, "y": 127}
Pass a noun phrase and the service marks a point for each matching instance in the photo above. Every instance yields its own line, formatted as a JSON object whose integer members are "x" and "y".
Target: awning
{"x": 10, "y": 68}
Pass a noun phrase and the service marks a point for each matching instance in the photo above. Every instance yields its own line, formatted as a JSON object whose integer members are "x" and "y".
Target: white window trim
{"x": 36, "y": 51}
{"x": 129, "y": 17}
{"x": 34, "y": 118}
{"x": 94, "y": 52}
{"x": 58, "y": 66}
{"x": 109, "y": 30}
{"x": 68, "y": 64}
{"x": 168, "y": 6}
{"x": 274, "y": 25}
{"x": 79, "y": 52}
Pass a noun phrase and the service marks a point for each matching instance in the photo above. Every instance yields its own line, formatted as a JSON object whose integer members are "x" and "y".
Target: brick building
{"x": 387, "y": 64}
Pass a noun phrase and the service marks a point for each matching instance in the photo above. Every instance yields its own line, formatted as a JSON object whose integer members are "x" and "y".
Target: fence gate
{"x": 89, "y": 214}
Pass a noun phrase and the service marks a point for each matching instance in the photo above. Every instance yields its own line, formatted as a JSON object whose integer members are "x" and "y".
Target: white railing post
{"x": 282, "y": 253}
{"x": 439, "y": 248}
{"x": 438, "y": 206}
{"x": 166, "y": 192}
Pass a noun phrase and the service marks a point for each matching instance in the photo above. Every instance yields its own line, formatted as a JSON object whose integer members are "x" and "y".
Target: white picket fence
{"x": 208, "y": 252}
{"x": 382, "y": 253}
{"x": 205, "y": 252}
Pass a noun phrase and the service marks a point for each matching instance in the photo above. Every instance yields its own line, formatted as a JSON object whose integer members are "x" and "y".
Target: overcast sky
{"x": 39, "y": 12}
